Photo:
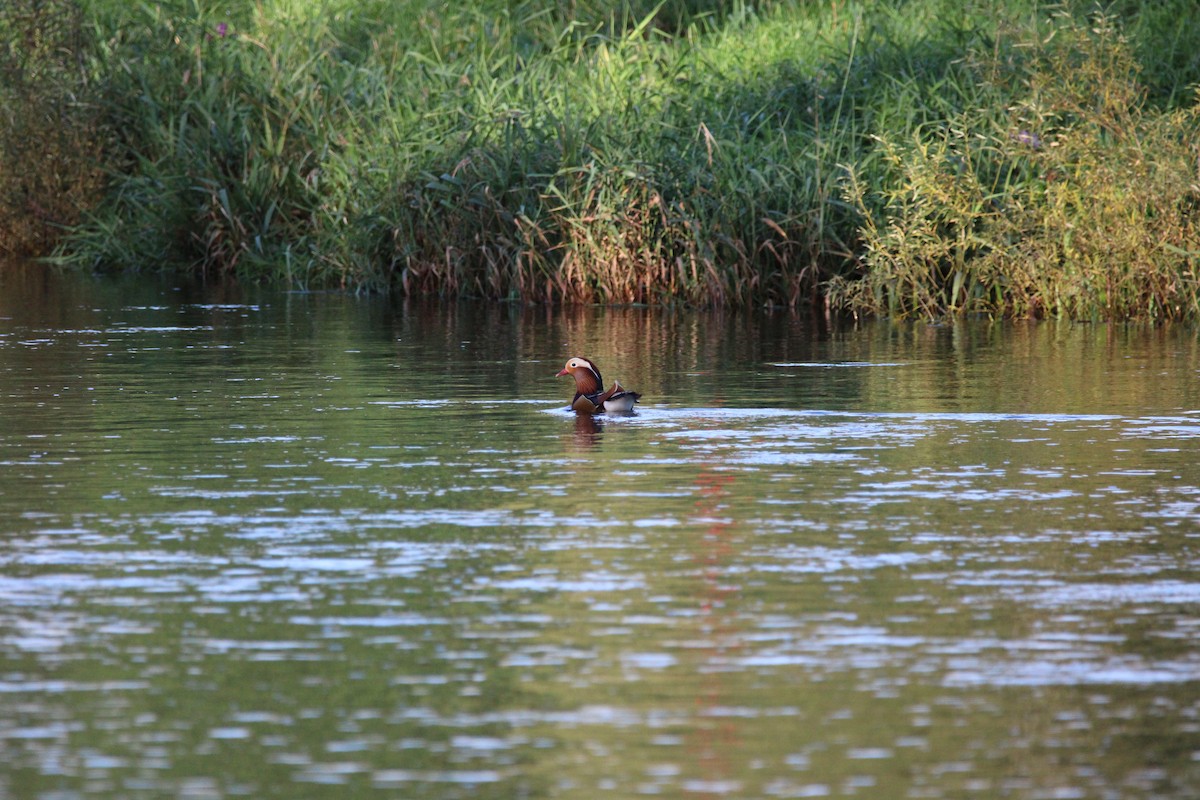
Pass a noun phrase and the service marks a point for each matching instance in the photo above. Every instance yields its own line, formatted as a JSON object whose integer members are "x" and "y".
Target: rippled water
{"x": 320, "y": 546}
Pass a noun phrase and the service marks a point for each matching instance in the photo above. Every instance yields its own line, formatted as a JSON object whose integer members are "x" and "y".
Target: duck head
{"x": 586, "y": 375}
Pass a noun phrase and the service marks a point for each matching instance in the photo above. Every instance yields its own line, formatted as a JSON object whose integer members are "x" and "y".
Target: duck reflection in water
{"x": 588, "y": 429}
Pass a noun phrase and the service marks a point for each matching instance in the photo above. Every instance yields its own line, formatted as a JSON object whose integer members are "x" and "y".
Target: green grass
{"x": 872, "y": 155}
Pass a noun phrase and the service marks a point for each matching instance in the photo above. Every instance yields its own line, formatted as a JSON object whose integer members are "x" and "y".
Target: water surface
{"x": 283, "y": 545}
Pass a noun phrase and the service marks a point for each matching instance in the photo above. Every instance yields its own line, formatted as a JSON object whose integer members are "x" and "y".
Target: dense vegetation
{"x": 905, "y": 157}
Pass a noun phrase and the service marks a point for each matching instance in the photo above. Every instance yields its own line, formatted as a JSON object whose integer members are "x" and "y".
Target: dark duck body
{"x": 590, "y": 397}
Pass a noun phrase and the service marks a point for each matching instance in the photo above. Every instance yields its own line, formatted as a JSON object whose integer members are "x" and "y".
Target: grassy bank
{"x": 922, "y": 157}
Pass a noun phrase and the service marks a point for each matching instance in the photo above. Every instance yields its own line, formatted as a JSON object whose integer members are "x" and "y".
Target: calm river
{"x": 318, "y": 546}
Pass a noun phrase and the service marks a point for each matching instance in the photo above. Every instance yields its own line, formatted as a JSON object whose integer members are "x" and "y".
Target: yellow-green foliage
{"x": 1081, "y": 203}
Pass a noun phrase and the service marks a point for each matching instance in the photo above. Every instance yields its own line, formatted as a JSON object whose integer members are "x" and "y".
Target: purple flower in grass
{"x": 1030, "y": 138}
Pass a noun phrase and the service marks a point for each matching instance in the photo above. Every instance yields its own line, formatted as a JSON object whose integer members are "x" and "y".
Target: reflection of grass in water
{"x": 781, "y": 635}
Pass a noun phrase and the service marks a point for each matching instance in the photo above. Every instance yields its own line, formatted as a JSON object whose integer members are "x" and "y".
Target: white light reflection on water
{"x": 1171, "y": 592}
{"x": 1072, "y": 671}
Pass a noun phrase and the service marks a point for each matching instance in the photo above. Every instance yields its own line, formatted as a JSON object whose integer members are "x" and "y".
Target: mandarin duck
{"x": 590, "y": 396}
